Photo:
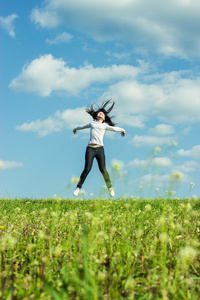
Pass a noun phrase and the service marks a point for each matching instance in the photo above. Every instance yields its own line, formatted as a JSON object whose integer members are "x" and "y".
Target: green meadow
{"x": 100, "y": 249}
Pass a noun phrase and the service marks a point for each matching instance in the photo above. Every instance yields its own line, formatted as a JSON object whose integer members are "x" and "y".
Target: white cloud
{"x": 8, "y": 24}
{"x": 163, "y": 181}
{"x": 60, "y": 38}
{"x": 47, "y": 74}
{"x": 188, "y": 166}
{"x": 170, "y": 97}
{"x": 138, "y": 163}
{"x": 162, "y": 162}
{"x": 172, "y": 27}
{"x": 120, "y": 56}
{"x": 43, "y": 128}
{"x": 74, "y": 117}
{"x": 147, "y": 140}
{"x": 69, "y": 118}
{"x": 194, "y": 152}
{"x": 156, "y": 161}
{"x": 5, "y": 164}
{"x": 162, "y": 129}
{"x": 45, "y": 18}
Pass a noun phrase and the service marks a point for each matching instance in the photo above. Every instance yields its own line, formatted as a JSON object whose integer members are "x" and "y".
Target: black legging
{"x": 90, "y": 154}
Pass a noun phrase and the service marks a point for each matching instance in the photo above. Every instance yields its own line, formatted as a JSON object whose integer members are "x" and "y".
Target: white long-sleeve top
{"x": 97, "y": 131}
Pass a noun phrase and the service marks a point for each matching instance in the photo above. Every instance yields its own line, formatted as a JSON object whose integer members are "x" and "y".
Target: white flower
{"x": 89, "y": 215}
{"x": 58, "y": 250}
{"x": 187, "y": 255}
{"x": 163, "y": 237}
{"x": 41, "y": 235}
{"x": 8, "y": 242}
{"x": 148, "y": 207}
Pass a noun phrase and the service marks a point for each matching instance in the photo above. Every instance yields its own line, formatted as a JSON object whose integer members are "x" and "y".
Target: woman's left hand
{"x": 123, "y": 133}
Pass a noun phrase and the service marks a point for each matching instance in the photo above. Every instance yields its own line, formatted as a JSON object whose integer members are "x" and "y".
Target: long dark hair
{"x": 108, "y": 119}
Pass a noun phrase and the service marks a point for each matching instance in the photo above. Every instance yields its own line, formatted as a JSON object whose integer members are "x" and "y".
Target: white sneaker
{"x": 76, "y": 192}
{"x": 112, "y": 192}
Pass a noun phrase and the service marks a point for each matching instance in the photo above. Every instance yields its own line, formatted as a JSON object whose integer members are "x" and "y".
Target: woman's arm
{"x": 80, "y": 127}
{"x": 116, "y": 129}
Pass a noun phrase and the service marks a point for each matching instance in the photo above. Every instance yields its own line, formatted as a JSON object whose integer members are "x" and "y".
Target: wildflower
{"x": 157, "y": 189}
{"x": 176, "y": 176}
{"x": 89, "y": 215}
{"x": 31, "y": 247}
{"x": 8, "y": 242}
{"x": 82, "y": 192}
{"x": 187, "y": 256}
{"x": 117, "y": 165}
{"x": 43, "y": 211}
{"x": 58, "y": 250}
{"x": 41, "y": 235}
{"x": 191, "y": 185}
{"x": 102, "y": 234}
{"x": 130, "y": 283}
{"x": 74, "y": 180}
{"x": 17, "y": 209}
{"x": 188, "y": 206}
{"x": 2, "y": 227}
{"x": 161, "y": 220}
{"x": 148, "y": 207}
{"x": 174, "y": 144}
{"x": 54, "y": 214}
{"x": 163, "y": 237}
{"x": 101, "y": 276}
{"x": 157, "y": 149}
{"x": 139, "y": 233}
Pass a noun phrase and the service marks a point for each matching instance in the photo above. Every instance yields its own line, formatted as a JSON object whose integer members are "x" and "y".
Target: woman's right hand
{"x": 75, "y": 131}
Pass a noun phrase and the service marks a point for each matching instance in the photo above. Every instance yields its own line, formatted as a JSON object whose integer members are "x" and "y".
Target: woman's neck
{"x": 99, "y": 121}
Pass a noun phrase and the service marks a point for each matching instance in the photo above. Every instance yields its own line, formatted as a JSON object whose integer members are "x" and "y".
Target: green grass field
{"x": 100, "y": 249}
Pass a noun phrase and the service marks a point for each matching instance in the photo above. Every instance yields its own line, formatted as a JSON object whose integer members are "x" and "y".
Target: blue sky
{"x": 60, "y": 56}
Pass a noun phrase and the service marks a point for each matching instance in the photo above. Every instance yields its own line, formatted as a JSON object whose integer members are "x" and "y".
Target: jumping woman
{"x": 101, "y": 122}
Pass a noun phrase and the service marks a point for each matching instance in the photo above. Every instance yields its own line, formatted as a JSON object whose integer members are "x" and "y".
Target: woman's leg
{"x": 89, "y": 157}
{"x": 100, "y": 156}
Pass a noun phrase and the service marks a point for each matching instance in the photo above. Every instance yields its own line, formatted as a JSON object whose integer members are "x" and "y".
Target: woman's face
{"x": 101, "y": 115}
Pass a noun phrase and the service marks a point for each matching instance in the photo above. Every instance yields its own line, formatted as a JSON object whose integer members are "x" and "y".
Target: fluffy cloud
{"x": 170, "y": 97}
{"x": 156, "y": 161}
{"x": 46, "y": 74}
{"x": 43, "y": 128}
{"x": 164, "y": 181}
{"x": 147, "y": 140}
{"x": 69, "y": 118}
{"x": 8, "y": 24}
{"x": 170, "y": 27}
{"x": 60, "y": 38}
{"x": 194, "y": 152}
{"x": 5, "y": 164}
{"x": 188, "y": 166}
{"x": 162, "y": 129}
